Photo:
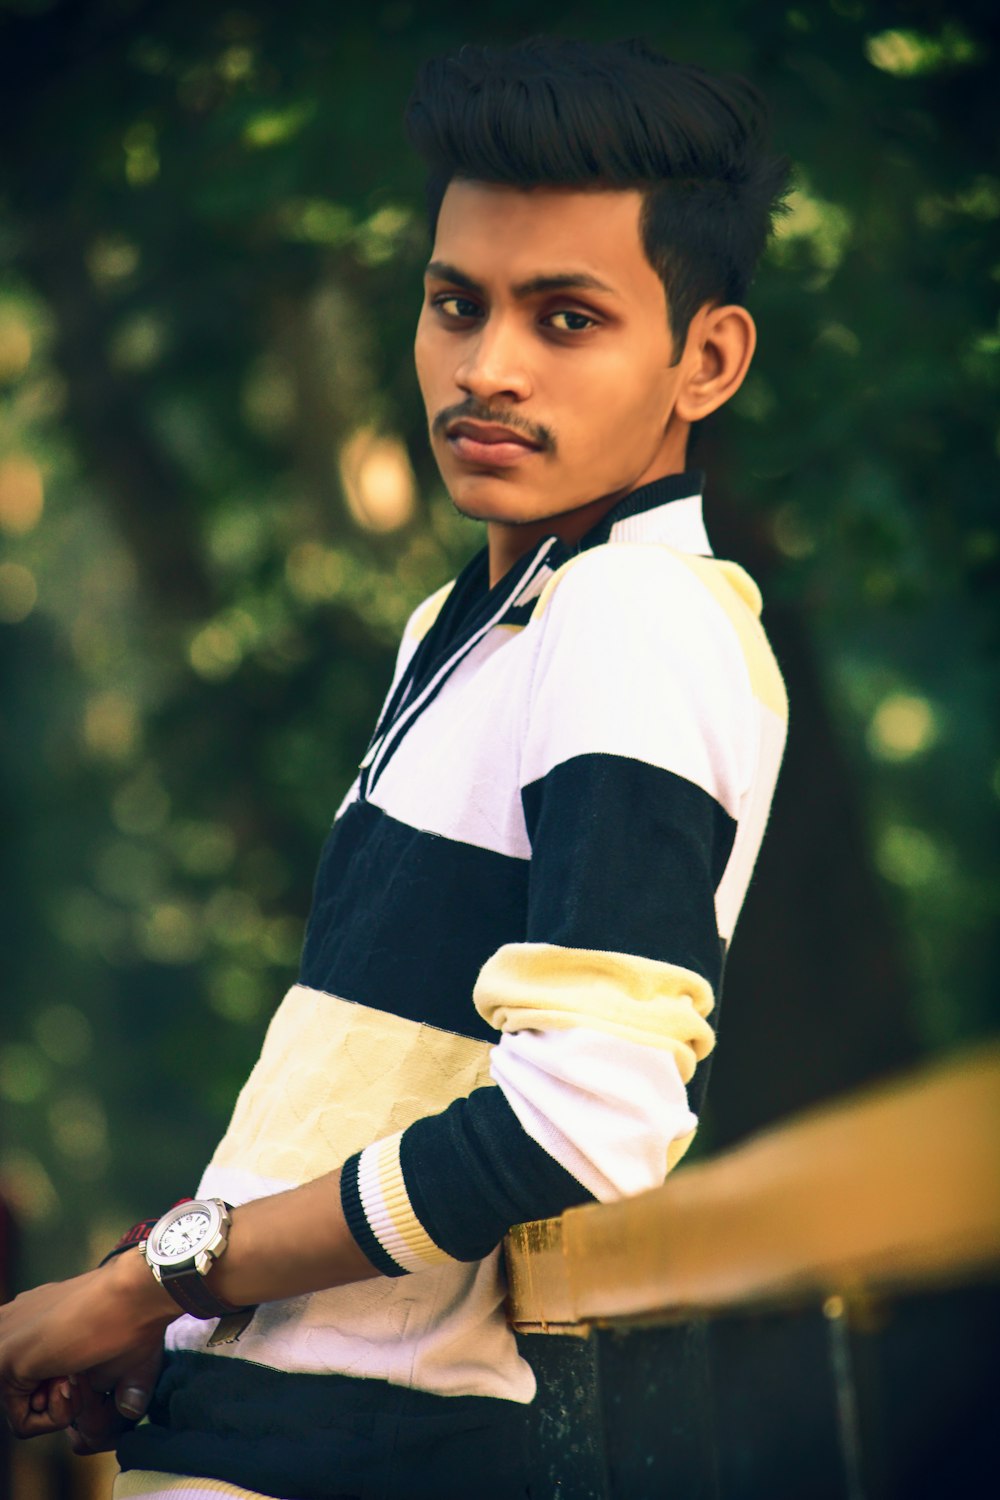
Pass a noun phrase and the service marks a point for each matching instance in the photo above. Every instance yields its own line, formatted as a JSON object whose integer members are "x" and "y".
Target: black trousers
{"x": 327, "y": 1437}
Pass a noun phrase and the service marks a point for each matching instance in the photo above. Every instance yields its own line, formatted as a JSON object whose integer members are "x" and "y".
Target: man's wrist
{"x": 153, "y": 1305}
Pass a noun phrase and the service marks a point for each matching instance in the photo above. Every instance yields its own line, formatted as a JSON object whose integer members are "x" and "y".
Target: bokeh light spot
{"x": 902, "y": 726}
{"x": 111, "y": 258}
{"x": 237, "y": 994}
{"x": 142, "y": 161}
{"x": 282, "y": 941}
{"x": 314, "y": 572}
{"x": 203, "y": 848}
{"x": 82, "y": 920}
{"x": 233, "y": 918}
{"x": 215, "y": 652}
{"x": 171, "y": 934}
{"x": 236, "y": 64}
{"x": 268, "y": 396}
{"x": 16, "y": 345}
{"x": 839, "y": 337}
{"x": 138, "y": 342}
{"x": 910, "y": 53}
{"x": 64, "y": 1034}
{"x": 908, "y": 856}
{"x": 111, "y": 728}
{"x": 826, "y": 226}
{"x": 791, "y": 534}
{"x": 79, "y": 1126}
{"x": 22, "y": 494}
{"x": 316, "y": 221}
{"x": 18, "y": 593}
{"x": 24, "y": 1073}
{"x": 28, "y": 1188}
{"x": 378, "y": 481}
{"x": 379, "y": 237}
{"x": 755, "y": 399}
{"x": 275, "y": 127}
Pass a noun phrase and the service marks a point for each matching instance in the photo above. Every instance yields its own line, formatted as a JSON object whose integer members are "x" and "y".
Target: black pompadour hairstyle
{"x": 550, "y": 112}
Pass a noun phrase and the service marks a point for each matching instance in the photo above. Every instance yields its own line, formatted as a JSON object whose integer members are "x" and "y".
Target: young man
{"x": 523, "y": 906}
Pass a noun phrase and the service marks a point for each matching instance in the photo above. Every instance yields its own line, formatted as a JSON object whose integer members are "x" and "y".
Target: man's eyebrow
{"x": 442, "y": 271}
{"x": 562, "y": 281}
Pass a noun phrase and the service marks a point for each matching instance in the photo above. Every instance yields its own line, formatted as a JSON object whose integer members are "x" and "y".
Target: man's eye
{"x": 456, "y": 307}
{"x": 572, "y": 322}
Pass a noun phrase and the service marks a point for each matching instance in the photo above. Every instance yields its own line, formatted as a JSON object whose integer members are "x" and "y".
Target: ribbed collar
{"x": 665, "y": 510}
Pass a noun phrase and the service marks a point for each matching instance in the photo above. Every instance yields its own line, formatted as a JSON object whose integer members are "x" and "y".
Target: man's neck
{"x": 508, "y": 543}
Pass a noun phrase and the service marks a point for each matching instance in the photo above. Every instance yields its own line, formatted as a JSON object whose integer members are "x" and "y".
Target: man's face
{"x": 544, "y": 351}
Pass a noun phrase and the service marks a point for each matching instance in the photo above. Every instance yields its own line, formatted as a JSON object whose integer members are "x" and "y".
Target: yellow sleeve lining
{"x": 542, "y": 987}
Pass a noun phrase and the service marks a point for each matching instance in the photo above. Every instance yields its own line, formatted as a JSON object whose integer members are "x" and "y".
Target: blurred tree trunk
{"x": 147, "y": 496}
{"x": 817, "y": 998}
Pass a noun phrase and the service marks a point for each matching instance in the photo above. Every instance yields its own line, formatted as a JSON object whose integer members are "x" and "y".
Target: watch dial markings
{"x": 185, "y": 1234}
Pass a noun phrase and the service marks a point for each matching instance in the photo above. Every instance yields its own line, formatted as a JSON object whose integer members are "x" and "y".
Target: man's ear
{"x": 717, "y": 355}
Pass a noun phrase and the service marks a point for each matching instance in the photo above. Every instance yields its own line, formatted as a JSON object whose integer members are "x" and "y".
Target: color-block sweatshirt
{"x": 510, "y": 975}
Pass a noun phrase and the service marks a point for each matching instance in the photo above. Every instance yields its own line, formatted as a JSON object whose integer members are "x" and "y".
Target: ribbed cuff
{"x": 357, "y": 1223}
{"x": 379, "y": 1213}
{"x": 458, "y": 1180}
{"x": 473, "y": 1171}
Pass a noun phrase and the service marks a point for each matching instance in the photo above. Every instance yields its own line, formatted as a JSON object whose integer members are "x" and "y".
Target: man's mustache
{"x": 477, "y": 411}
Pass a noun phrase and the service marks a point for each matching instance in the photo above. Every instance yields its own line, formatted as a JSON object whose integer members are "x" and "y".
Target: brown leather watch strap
{"x": 189, "y": 1291}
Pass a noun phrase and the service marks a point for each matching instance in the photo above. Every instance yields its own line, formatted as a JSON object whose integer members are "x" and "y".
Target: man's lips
{"x": 487, "y": 443}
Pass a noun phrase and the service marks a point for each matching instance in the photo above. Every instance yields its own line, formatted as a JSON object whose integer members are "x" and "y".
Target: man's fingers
{"x": 35, "y": 1424}
{"x": 51, "y": 1407}
{"x": 132, "y": 1400}
{"x": 79, "y": 1444}
{"x": 134, "y": 1390}
{"x": 46, "y": 1392}
{"x": 97, "y": 1425}
{"x": 112, "y": 1396}
{"x": 64, "y": 1402}
{"x": 133, "y": 1380}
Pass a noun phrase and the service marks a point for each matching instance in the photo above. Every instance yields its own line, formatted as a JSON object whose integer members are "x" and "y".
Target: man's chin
{"x": 489, "y": 499}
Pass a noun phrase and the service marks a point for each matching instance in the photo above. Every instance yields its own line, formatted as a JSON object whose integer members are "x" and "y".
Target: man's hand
{"x": 106, "y": 1325}
{"x": 113, "y": 1398}
{"x": 63, "y": 1344}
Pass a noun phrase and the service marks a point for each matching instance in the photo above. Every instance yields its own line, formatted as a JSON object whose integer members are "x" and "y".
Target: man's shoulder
{"x": 675, "y": 603}
{"x": 646, "y": 581}
{"x": 426, "y": 613}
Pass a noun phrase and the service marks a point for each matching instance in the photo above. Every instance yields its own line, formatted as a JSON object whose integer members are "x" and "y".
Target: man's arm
{"x": 103, "y": 1326}
{"x": 120, "y": 1313}
{"x": 638, "y": 749}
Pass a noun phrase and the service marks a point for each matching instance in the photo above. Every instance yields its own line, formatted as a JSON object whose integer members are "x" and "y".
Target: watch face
{"x": 185, "y": 1234}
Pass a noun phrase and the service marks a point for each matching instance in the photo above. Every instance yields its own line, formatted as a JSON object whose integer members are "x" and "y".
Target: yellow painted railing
{"x": 893, "y": 1189}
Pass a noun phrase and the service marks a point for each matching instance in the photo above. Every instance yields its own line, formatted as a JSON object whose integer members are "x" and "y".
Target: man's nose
{"x": 493, "y": 363}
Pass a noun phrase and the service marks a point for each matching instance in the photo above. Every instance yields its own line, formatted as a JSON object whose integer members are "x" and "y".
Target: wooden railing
{"x": 812, "y": 1316}
{"x": 815, "y": 1313}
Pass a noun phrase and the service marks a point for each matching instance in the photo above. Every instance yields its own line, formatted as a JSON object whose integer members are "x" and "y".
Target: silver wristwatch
{"x": 182, "y": 1248}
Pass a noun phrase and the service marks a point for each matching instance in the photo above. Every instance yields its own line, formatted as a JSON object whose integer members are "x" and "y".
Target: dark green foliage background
{"x": 210, "y": 248}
